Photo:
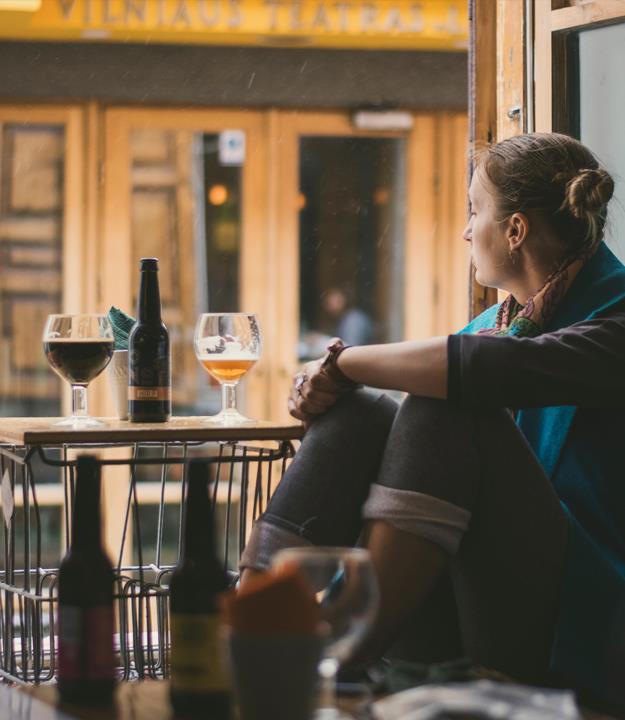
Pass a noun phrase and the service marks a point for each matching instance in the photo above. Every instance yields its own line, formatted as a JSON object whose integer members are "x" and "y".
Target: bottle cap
{"x": 149, "y": 264}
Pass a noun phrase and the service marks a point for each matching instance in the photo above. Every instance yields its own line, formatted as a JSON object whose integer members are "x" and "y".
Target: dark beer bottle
{"x": 86, "y": 670}
{"x": 149, "y": 366}
{"x": 199, "y": 681}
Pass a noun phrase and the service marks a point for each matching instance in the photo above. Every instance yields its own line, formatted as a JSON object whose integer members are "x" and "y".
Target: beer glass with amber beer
{"x": 227, "y": 346}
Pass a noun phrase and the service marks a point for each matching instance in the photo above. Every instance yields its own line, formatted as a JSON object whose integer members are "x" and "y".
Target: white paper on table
{"x": 18, "y": 705}
{"x": 482, "y": 698}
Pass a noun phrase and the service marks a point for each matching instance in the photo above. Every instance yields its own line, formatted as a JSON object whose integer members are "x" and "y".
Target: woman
{"x": 524, "y": 510}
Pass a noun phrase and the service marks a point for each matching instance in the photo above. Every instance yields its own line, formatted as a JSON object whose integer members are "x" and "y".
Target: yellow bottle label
{"x": 198, "y": 656}
{"x": 149, "y": 393}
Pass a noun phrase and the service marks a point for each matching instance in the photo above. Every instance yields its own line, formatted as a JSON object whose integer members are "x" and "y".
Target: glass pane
{"x": 352, "y": 200}
{"x": 601, "y": 63}
{"x": 186, "y": 210}
{"x": 31, "y": 239}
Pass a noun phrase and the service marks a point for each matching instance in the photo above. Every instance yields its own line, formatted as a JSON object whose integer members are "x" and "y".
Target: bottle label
{"x": 98, "y": 634}
{"x": 86, "y": 642}
{"x": 197, "y": 656}
{"x": 70, "y": 634}
{"x": 149, "y": 393}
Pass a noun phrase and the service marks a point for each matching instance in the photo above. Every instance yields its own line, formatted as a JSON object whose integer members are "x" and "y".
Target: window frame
{"x": 556, "y": 28}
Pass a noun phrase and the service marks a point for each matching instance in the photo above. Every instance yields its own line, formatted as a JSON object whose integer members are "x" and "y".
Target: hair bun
{"x": 588, "y": 192}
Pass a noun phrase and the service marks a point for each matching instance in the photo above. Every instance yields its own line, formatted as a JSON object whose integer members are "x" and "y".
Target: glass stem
{"x": 328, "y": 669}
{"x": 79, "y": 400}
{"x": 228, "y": 397}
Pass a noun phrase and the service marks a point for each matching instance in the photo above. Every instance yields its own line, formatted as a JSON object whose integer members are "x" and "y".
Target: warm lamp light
{"x": 217, "y": 194}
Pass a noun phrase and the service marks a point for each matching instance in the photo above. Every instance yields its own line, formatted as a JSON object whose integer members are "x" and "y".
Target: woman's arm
{"x": 417, "y": 367}
{"x": 583, "y": 364}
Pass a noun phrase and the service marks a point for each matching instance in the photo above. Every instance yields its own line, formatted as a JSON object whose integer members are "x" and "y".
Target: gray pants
{"x": 464, "y": 479}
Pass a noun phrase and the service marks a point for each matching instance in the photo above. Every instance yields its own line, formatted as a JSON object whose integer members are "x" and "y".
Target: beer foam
{"x": 209, "y": 348}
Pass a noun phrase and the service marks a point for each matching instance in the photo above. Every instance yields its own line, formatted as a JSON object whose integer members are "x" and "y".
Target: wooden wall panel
{"x": 542, "y": 65}
{"x": 421, "y": 221}
{"x": 31, "y": 238}
{"x": 451, "y": 251}
{"x": 460, "y": 263}
{"x": 162, "y": 218}
{"x": 154, "y": 235}
{"x": 36, "y": 159}
{"x": 482, "y": 105}
{"x": 510, "y": 69}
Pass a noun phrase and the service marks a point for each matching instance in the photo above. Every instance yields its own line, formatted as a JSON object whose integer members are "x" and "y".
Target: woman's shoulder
{"x": 484, "y": 320}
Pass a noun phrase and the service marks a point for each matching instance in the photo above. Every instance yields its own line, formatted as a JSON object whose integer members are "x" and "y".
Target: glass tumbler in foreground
{"x": 78, "y": 348}
{"x": 345, "y": 585}
{"x": 227, "y": 346}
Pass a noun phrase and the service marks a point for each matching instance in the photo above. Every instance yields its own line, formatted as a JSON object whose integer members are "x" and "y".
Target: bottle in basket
{"x": 199, "y": 681}
{"x": 149, "y": 362}
{"x": 86, "y": 670}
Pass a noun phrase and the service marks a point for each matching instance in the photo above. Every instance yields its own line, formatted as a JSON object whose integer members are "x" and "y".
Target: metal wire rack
{"x": 243, "y": 477}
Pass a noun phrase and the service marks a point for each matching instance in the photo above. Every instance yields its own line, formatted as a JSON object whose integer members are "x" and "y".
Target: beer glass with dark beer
{"x": 78, "y": 348}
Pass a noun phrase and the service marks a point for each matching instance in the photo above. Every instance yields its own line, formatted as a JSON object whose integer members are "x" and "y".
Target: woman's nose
{"x": 467, "y": 232}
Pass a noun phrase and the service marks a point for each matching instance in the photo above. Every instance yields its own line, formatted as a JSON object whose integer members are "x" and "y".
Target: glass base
{"x": 229, "y": 418}
{"x": 78, "y": 422}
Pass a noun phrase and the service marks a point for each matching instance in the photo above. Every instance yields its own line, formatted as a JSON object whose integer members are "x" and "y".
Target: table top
{"x": 24, "y": 431}
{"x": 147, "y": 700}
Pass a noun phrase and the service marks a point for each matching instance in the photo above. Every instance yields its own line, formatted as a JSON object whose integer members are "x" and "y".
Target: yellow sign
{"x": 391, "y": 24}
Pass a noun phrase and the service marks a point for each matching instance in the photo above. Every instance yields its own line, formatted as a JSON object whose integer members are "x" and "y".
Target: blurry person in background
{"x": 338, "y": 318}
{"x": 350, "y": 323}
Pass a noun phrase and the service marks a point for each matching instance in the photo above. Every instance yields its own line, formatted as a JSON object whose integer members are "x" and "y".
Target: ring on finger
{"x": 299, "y": 383}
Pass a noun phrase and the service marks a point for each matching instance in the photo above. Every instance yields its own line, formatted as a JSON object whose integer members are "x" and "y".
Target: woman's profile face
{"x": 489, "y": 249}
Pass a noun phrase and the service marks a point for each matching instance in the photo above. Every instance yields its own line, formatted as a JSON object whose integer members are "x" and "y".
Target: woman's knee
{"x": 359, "y": 415}
{"x": 416, "y": 411}
{"x": 432, "y": 450}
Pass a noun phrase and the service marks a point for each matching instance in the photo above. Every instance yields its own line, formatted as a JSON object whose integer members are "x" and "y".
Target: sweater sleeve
{"x": 583, "y": 365}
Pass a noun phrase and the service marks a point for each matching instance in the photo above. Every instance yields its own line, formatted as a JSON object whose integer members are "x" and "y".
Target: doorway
{"x": 277, "y": 213}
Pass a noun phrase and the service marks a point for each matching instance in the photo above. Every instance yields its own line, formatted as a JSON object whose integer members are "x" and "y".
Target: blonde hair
{"x": 554, "y": 176}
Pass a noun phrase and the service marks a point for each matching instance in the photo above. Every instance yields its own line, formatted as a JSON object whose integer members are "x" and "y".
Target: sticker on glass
{"x": 231, "y": 147}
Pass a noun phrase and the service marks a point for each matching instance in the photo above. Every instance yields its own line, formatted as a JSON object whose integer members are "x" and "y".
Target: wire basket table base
{"x": 243, "y": 476}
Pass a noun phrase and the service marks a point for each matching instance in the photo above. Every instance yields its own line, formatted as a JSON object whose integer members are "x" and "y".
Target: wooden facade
{"x": 95, "y": 174}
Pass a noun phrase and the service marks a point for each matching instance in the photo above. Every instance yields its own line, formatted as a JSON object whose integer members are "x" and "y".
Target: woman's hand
{"x": 313, "y": 392}
{"x": 418, "y": 367}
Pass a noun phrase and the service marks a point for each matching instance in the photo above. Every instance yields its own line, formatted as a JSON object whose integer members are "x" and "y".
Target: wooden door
{"x": 42, "y": 271}
{"x": 167, "y": 196}
{"x": 429, "y": 186}
{"x": 41, "y": 247}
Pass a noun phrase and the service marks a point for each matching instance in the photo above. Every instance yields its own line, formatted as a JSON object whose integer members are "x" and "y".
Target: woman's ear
{"x": 517, "y": 230}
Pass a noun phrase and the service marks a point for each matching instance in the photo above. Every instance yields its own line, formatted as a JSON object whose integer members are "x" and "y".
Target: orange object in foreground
{"x": 275, "y": 603}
